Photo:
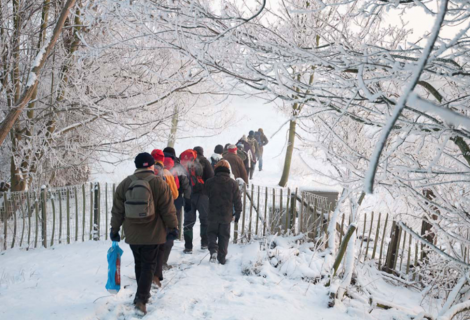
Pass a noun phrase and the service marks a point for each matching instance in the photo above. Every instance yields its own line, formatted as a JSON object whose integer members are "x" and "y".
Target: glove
{"x": 187, "y": 205}
{"x": 114, "y": 236}
{"x": 173, "y": 234}
{"x": 236, "y": 219}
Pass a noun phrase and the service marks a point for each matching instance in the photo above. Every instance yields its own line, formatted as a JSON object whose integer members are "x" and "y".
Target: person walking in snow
{"x": 236, "y": 163}
{"x": 225, "y": 206}
{"x": 143, "y": 206}
{"x": 199, "y": 201}
{"x": 217, "y": 155}
{"x": 262, "y": 141}
{"x": 173, "y": 182}
{"x": 250, "y": 149}
{"x": 184, "y": 195}
{"x": 166, "y": 175}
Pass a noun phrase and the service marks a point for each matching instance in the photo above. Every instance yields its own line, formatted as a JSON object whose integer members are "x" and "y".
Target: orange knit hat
{"x": 222, "y": 163}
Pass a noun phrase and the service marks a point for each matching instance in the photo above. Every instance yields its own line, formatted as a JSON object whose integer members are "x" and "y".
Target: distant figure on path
{"x": 262, "y": 141}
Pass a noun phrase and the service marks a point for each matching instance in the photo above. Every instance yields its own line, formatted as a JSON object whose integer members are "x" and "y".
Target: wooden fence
{"x": 47, "y": 217}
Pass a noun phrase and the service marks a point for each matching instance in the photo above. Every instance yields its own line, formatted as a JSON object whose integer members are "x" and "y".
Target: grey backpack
{"x": 139, "y": 206}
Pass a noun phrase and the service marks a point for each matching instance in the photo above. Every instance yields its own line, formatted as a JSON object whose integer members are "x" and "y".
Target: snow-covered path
{"x": 67, "y": 282}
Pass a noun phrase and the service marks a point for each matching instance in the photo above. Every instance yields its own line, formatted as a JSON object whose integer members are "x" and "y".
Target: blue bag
{"x": 114, "y": 268}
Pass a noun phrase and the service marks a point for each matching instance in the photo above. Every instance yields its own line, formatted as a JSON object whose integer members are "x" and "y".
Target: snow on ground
{"x": 68, "y": 282}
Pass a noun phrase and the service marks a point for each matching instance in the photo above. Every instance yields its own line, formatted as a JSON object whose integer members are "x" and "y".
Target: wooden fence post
{"x": 301, "y": 218}
{"x": 96, "y": 210}
{"x": 13, "y": 213}
{"x": 363, "y": 234}
{"x": 75, "y": 193}
{"x": 251, "y": 213}
{"x": 44, "y": 216}
{"x": 24, "y": 219}
{"x": 91, "y": 211}
{"x": 265, "y": 212}
{"x": 403, "y": 248}
{"x": 5, "y": 220}
{"x": 68, "y": 215}
{"x": 106, "y": 212}
{"x": 271, "y": 218}
{"x": 368, "y": 237}
{"x": 286, "y": 227}
{"x": 30, "y": 213}
{"x": 397, "y": 250}
{"x": 279, "y": 222}
{"x": 83, "y": 212}
{"x": 36, "y": 204}
{"x": 382, "y": 242}
{"x": 293, "y": 202}
{"x": 257, "y": 214}
{"x": 409, "y": 256}
{"x": 244, "y": 211}
{"x": 53, "y": 219}
{"x": 60, "y": 216}
{"x": 391, "y": 253}
{"x": 376, "y": 236}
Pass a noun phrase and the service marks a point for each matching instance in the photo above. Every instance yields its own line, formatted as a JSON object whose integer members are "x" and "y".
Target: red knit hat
{"x": 158, "y": 155}
{"x": 169, "y": 163}
{"x": 232, "y": 149}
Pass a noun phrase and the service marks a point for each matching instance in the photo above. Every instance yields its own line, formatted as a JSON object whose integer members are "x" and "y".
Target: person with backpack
{"x": 250, "y": 151}
{"x": 262, "y": 141}
{"x": 217, "y": 155}
{"x": 255, "y": 147}
{"x": 236, "y": 163}
{"x": 225, "y": 206}
{"x": 143, "y": 206}
{"x": 199, "y": 170}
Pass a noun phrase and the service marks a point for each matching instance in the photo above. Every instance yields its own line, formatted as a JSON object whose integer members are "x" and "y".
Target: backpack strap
{"x": 133, "y": 177}
{"x": 150, "y": 178}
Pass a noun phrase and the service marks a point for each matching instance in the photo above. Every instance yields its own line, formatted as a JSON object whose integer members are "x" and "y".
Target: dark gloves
{"x": 114, "y": 236}
{"x": 187, "y": 205}
{"x": 237, "y": 218}
{"x": 173, "y": 234}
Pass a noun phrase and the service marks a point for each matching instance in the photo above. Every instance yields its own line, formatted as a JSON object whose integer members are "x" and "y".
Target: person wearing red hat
{"x": 236, "y": 164}
{"x": 160, "y": 171}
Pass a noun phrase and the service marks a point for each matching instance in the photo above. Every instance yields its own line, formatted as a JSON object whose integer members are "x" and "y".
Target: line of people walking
{"x": 148, "y": 205}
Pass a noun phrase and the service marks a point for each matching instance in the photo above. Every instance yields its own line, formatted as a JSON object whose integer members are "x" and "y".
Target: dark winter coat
{"x": 223, "y": 195}
{"x": 165, "y": 213}
{"x": 237, "y": 166}
{"x": 185, "y": 188}
{"x": 204, "y": 170}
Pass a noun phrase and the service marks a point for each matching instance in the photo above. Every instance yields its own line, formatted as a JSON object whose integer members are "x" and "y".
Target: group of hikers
{"x": 149, "y": 203}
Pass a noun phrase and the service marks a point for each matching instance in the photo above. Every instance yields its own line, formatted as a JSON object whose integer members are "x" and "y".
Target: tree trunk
{"x": 289, "y": 152}
{"x": 174, "y": 128}
{"x": 13, "y": 115}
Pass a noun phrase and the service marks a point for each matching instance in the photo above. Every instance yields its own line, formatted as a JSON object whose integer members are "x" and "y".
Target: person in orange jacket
{"x": 166, "y": 175}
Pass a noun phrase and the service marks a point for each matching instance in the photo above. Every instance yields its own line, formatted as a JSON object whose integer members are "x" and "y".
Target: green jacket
{"x": 153, "y": 232}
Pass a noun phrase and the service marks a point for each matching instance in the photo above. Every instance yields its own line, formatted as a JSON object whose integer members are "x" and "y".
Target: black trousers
{"x": 252, "y": 170}
{"x": 164, "y": 250}
{"x": 145, "y": 259}
{"x": 219, "y": 237}
{"x": 200, "y": 203}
